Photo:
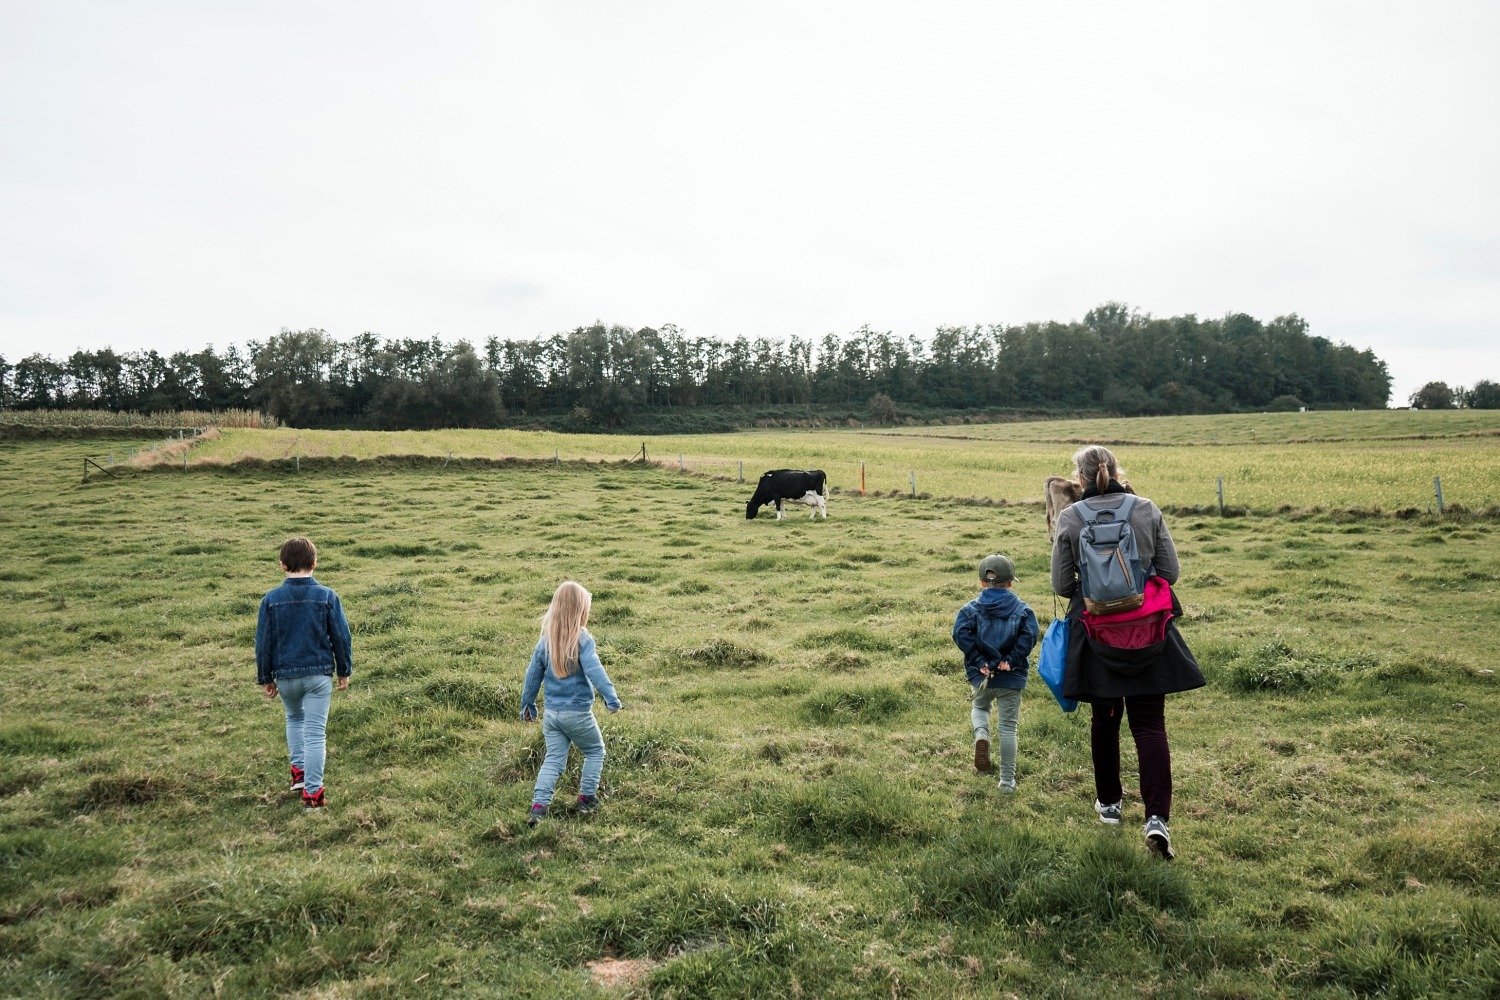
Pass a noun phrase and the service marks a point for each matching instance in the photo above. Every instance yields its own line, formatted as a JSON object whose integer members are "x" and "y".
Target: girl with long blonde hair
{"x": 565, "y": 668}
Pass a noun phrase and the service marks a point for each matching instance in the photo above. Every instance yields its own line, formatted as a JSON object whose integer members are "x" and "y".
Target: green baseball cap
{"x": 996, "y": 569}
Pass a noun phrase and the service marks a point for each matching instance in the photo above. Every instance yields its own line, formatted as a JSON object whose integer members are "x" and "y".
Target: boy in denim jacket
{"x": 301, "y": 643}
{"x": 996, "y": 632}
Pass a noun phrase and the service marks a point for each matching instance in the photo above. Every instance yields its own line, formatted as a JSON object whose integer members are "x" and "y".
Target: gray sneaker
{"x": 538, "y": 813}
{"x": 1108, "y": 814}
{"x": 1007, "y": 786}
{"x": 1159, "y": 839}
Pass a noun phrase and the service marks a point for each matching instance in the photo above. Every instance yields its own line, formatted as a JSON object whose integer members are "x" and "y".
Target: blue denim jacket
{"x": 301, "y": 631}
{"x": 573, "y": 693}
{"x": 983, "y": 631}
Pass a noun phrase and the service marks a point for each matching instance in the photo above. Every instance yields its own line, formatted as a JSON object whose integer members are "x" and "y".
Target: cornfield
{"x": 159, "y": 420}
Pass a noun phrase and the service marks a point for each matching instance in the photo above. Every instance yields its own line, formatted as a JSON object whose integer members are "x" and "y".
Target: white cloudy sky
{"x": 174, "y": 174}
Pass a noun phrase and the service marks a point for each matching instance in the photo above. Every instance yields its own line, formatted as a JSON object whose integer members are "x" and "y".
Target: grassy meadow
{"x": 790, "y": 808}
{"x": 1355, "y": 461}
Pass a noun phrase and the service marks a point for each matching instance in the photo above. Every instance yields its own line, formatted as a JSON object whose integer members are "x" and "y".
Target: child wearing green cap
{"x": 996, "y": 632}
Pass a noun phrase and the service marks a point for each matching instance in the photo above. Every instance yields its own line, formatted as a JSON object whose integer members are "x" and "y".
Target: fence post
{"x": 1437, "y": 491}
{"x": 1221, "y": 496}
{"x": 556, "y": 461}
{"x": 742, "y": 470}
{"x": 861, "y": 479}
{"x": 914, "y": 484}
{"x": 299, "y": 464}
{"x": 680, "y": 466}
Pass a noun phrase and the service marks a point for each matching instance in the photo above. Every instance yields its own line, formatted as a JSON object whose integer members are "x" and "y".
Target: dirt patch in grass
{"x": 613, "y": 973}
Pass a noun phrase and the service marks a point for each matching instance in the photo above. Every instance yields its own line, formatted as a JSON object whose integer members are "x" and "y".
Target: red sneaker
{"x": 313, "y": 801}
{"x": 297, "y": 778}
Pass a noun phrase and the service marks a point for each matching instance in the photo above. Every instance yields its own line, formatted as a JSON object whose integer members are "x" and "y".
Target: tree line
{"x": 1115, "y": 360}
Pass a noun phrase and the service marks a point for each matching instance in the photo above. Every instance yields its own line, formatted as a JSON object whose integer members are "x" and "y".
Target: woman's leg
{"x": 1148, "y": 726}
{"x": 1104, "y": 742}
{"x": 554, "y": 762}
{"x": 1006, "y": 723}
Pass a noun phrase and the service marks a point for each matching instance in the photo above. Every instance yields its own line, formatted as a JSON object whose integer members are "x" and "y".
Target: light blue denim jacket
{"x": 573, "y": 693}
{"x": 301, "y": 631}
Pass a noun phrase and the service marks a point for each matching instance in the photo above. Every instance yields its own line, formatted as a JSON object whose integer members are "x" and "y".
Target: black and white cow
{"x": 789, "y": 484}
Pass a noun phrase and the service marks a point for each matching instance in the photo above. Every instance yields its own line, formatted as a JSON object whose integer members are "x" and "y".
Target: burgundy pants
{"x": 1148, "y": 726}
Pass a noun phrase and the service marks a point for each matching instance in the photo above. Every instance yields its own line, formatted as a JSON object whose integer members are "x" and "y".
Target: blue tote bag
{"x": 1054, "y": 656}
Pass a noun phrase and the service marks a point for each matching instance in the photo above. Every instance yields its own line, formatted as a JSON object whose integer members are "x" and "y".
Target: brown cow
{"x": 1062, "y": 493}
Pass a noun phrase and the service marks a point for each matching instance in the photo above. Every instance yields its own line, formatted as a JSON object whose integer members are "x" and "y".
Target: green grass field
{"x": 1356, "y": 461}
{"x": 790, "y": 808}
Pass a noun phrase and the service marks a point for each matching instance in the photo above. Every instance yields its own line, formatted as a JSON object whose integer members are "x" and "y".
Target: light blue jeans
{"x": 306, "y": 702}
{"x": 1007, "y": 702}
{"x": 560, "y": 729}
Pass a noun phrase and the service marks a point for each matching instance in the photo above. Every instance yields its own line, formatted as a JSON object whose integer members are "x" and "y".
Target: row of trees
{"x": 1484, "y": 395}
{"x": 1115, "y": 359}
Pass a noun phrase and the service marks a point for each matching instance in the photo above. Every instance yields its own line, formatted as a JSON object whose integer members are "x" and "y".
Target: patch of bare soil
{"x": 615, "y": 972}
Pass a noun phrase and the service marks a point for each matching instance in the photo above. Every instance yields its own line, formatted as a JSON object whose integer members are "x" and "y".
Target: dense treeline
{"x": 1116, "y": 360}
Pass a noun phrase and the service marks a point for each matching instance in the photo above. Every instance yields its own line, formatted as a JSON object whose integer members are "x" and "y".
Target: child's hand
{"x": 341, "y": 684}
{"x": 1005, "y": 665}
{"x": 270, "y": 690}
{"x": 528, "y": 715}
{"x": 612, "y": 711}
{"x": 984, "y": 668}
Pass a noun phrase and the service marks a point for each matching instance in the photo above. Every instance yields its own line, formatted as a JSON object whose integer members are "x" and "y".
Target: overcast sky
{"x": 179, "y": 174}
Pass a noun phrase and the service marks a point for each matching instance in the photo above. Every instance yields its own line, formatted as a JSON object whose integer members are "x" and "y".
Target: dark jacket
{"x": 996, "y": 626}
{"x": 1096, "y": 672}
{"x": 301, "y": 631}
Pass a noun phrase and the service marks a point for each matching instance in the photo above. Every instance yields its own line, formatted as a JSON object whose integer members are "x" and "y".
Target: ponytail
{"x": 1096, "y": 465}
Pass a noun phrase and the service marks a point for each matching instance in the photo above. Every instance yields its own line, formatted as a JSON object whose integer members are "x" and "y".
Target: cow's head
{"x": 751, "y": 509}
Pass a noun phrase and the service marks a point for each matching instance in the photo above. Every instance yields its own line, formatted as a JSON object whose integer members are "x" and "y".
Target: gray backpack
{"x": 1109, "y": 567}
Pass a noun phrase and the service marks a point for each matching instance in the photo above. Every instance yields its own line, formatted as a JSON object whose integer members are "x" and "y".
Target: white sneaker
{"x": 1007, "y": 786}
{"x": 1108, "y": 814}
{"x": 1158, "y": 838}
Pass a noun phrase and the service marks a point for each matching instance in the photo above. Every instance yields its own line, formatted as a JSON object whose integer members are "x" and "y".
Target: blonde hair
{"x": 563, "y": 624}
{"x": 1096, "y": 465}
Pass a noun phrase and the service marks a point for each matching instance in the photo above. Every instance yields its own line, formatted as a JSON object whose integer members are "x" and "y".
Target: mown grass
{"x": 789, "y": 803}
{"x": 1369, "y": 462}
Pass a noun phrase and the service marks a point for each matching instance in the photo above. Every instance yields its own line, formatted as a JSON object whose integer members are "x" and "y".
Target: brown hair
{"x": 1096, "y": 466}
{"x": 563, "y": 624}
{"x": 298, "y": 554}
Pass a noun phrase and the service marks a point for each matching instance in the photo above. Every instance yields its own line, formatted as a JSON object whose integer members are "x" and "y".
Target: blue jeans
{"x": 306, "y": 702}
{"x": 1007, "y": 702}
{"x": 560, "y": 729}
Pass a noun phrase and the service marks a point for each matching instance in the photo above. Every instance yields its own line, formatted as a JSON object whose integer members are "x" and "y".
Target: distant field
{"x": 789, "y": 804}
{"x": 1301, "y": 460}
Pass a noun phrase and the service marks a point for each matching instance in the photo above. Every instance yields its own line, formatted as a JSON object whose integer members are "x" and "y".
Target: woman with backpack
{"x": 1115, "y": 561}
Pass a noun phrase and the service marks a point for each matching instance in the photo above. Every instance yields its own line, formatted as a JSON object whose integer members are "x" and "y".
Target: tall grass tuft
{"x": 848, "y": 809}
{"x": 865, "y": 703}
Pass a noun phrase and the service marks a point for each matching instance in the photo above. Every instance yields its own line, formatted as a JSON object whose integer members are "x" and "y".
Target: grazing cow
{"x": 1062, "y": 493}
{"x": 789, "y": 484}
